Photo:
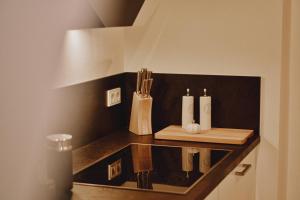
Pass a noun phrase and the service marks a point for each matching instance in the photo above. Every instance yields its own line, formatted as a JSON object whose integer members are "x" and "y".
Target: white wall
{"x": 234, "y": 37}
{"x": 293, "y": 170}
{"x": 90, "y": 54}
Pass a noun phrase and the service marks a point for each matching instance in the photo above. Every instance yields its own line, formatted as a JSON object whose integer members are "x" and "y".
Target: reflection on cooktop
{"x": 152, "y": 167}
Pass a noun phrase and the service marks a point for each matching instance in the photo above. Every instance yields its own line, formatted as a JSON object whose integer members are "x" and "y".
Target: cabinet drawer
{"x": 240, "y": 183}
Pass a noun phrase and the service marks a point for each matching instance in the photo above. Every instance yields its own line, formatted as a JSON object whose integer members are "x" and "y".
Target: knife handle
{"x": 150, "y": 81}
{"x": 138, "y": 82}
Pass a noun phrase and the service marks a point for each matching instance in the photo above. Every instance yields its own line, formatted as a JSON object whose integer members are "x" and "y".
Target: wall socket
{"x": 113, "y": 97}
{"x": 114, "y": 169}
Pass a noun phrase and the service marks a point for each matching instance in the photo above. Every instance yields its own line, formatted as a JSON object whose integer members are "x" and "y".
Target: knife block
{"x": 140, "y": 119}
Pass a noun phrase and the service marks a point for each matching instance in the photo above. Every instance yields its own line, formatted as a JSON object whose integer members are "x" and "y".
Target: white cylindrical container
{"x": 59, "y": 161}
{"x": 187, "y": 110}
{"x": 205, "y": 112}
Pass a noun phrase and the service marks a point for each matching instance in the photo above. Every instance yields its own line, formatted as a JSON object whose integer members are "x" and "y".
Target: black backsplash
{"x": 235, "y": 99}
{"x": 80, "y": 109}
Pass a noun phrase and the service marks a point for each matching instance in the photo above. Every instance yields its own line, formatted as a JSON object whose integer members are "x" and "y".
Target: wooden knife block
{"x": 140, "y": 119}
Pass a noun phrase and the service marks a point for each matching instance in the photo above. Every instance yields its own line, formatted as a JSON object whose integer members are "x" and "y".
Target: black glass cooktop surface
{"x": 152, "y": 167}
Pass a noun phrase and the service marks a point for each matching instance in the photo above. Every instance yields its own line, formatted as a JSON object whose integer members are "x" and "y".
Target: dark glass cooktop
{"x": 152, "y": 167}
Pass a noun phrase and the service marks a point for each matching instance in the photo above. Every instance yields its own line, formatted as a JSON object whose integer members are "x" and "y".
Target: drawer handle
{"x": 244, "y": 171}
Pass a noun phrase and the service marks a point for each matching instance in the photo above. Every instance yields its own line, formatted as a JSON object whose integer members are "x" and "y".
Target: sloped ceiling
{"x": 114, "y": 13}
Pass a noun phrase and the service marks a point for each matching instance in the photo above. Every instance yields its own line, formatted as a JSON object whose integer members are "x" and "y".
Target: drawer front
{"x": 240, "y": 183}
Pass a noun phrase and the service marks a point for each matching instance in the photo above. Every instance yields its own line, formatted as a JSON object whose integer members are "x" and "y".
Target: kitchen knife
{"x": 150, "y": 81}
{"x": 138, "y": 83}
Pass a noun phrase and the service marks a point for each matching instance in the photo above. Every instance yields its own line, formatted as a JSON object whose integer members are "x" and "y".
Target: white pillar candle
{"x": 187, "y": 110}
{"x": 205, "y": 112}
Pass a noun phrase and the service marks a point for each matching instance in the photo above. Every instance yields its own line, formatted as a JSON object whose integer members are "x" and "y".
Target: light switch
{"x": 113, "y": 97}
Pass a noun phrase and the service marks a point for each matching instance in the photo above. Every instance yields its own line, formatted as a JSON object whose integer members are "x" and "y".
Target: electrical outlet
{"x": 114, "y": 169}
{"x": 113, "y": 97}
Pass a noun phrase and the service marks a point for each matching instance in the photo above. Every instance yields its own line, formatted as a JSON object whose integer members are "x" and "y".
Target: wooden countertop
{"x": 95, "y": 151}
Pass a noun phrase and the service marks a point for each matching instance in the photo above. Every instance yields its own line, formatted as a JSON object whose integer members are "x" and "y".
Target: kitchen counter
{"x": 97, "y": 150}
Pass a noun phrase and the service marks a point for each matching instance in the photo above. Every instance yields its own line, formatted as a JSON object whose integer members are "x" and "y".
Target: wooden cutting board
{"x": 214, "y": 135}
